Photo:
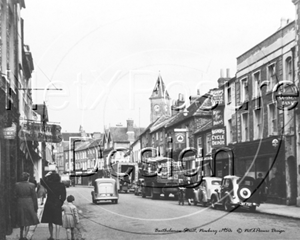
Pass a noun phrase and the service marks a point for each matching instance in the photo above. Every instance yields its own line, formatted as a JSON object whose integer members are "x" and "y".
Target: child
{"x": 70, "y": 217}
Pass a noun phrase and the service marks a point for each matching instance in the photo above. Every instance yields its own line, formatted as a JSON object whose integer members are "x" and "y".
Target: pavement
{"x": 40, "y": 232}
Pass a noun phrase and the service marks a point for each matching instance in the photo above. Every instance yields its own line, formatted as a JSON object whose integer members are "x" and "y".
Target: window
{"x": 199, "y": 147}
{"x": 208, "y": 143}
{"x": 156, "y": 135}
{"x": 272, "y": 78}
{"x": 272, "y": 119}
{"x": 257, "y": 127}
{"x": 244, "y": 90}
{"x": 230, "y": 130}
{"x": 245, "y": 127}
{"x": 288, "y": 69}
{"x": 228, "y": 95}
{"x": 256, "y": 84}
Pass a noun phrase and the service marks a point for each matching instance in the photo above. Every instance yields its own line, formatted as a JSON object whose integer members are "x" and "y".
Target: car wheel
{"x": 213, "y": 202}
{"x": 227, "y": 206}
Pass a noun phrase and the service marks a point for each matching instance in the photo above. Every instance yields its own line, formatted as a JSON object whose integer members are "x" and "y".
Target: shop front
{"x": 264, "y": 157}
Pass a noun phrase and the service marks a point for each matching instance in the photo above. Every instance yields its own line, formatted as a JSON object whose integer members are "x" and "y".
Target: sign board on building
{"x": 218, "y": 138}
{"x": 217, "y": 96}
{"x": 10, "y": 132}
{"x": 217, "y": 117}
{"x": 35, "y": 131}
{"x": 180, "y": 137}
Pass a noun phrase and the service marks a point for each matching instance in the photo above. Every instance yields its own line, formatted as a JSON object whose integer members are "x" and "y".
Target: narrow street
{"x": 137, "y": 218}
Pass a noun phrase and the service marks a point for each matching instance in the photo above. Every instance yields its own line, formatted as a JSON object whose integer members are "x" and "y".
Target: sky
{"x": 106, "y": 56}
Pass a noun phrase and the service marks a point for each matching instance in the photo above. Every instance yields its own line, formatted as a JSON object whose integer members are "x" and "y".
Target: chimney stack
{"x": 227, "y": 73}
{"x": 221, "y": 73}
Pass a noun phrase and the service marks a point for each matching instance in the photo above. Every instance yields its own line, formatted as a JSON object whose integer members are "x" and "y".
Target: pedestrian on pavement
{"x": 27, "y": 204}
{"x": 260, "y": 187}
{"x": 56, "y": 195}
{"x": 41, "y": 192}
{"x": 189, "y": 192}
{"x": 70, "y": 217}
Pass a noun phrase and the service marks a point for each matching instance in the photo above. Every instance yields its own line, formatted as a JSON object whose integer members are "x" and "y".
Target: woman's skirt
{"x": 26, "y": 214}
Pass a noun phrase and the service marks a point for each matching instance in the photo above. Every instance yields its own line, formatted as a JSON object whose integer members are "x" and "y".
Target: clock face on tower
{"x": 156, "y": 108}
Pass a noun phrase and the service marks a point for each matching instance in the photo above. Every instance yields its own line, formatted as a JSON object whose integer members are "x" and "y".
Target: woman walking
{"x": 70, "y": 218}
{"x": 56, "y": 195}
{"x": 27, "y": 204}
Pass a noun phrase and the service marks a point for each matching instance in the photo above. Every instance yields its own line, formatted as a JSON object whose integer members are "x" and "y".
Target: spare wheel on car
{"x": 244, "y": 193}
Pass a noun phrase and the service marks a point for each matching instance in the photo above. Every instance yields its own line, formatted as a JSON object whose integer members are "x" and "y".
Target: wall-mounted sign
{"x": 180, "y": 137}
{"x": 10, "y": 132}
{"x": 217, "y": 96}
{"x": 34, "y": 131}
{"x": 217, "y": 118}
{"x": 218, "y": 138}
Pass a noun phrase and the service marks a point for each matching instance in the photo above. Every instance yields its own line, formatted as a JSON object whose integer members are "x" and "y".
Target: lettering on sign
{"x": 218, "y": 138}
{"x": 218, "y": 96}
{"x": 34, "y": 131}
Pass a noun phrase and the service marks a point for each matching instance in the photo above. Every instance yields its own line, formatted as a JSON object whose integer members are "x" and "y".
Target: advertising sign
{"x": 35, "y": 131}
{"x": 217, "y": 96}
{"x": 218, "y": 138}
{"x": 217, "y": 117}
{"x": 180, "y": 137}
{"x": 10, "y": 132}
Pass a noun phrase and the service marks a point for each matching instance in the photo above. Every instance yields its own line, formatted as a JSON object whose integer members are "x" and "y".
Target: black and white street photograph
{"x": 149, "y": 119}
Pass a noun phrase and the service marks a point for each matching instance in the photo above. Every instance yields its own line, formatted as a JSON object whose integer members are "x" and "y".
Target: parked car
{"x": 138, "y": 187}
{"x": 207, "y": 187}
{"x": 65, "y": 179}
{"x": 236, "y": 192}
{"x": 105, "y": 189}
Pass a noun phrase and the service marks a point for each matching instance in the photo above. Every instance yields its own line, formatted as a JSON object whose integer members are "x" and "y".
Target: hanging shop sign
{"x": 10, "y": 132}
{"x": 34, "y": 131}
{"x": 218, "y": 137}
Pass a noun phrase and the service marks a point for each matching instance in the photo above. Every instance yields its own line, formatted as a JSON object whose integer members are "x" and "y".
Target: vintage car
{"x": 236, "y": 192}
{"x": 105, "y": 189}
{"x": 207, "y": 187}
{"x": 138, "y": 187}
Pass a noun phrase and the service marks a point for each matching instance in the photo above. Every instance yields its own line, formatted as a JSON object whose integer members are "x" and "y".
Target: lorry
{"x": 125, "y": 174}
{"x": 161, "y": 176}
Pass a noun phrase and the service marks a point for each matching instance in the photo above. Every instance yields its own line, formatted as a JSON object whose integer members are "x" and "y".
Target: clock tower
{"x": 160, "y": 101}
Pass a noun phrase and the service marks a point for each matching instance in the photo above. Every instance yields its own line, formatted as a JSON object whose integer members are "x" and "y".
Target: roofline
{"x": 280, "y": 29}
